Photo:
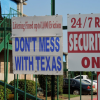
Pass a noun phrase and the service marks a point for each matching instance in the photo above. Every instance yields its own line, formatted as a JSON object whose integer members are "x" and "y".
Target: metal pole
{"x": 46, "y": 87}
{"x": 52, "y": 87}
{"x": 52, "y": 7}
{"x": 17, "y": 74}
{"x": 17, "y": 86}
{"x": 36, "y": 85}
{"x": 91, "y": 86}
{"x": 25, "y": 88}
{"x": 68, "y": 85}
{"x": 4, "y": 60}
{"x": 80, "y": 86}
{"x": 57, "y": 87}
{"x": 7, "y": 53}
{"x": 14, "y": 86}
{"x": 52, "y": 77}
{"x": 7, "y": 61}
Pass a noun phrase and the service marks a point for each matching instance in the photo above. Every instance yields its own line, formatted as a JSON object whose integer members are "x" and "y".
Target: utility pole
{"x": 52, "y": 76}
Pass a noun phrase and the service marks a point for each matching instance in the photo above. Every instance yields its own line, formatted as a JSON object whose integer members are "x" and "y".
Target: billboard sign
{"x": 34, "y": 54}
{"x": 84, "y": 42}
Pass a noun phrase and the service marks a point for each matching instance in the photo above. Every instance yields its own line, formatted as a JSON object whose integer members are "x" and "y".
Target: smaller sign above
{"x": 37, "y": 26}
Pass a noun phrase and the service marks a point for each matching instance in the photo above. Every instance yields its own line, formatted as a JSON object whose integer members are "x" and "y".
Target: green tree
{"x": 8, "y": 91}
{"x": 42, "y": 82}
{"x": 30, "y": 87}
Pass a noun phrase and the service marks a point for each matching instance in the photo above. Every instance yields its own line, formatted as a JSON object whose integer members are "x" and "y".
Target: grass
{"x": 66, "y": 96}
{"x": 71, "y": 96}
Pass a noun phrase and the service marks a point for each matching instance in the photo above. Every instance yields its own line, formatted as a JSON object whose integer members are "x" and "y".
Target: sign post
{"x": 84, "y": 42}
{"x": 52, "y": 77}
{"x": 98, "y": 82}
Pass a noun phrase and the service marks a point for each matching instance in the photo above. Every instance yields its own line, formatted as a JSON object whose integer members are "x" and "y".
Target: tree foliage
{"x": 42, "y": 82}
{"x": 8, "y": 91}
{"x": 30, "y": 87}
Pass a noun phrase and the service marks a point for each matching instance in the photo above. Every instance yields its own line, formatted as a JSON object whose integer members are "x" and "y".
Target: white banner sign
{"x": 84, "y": 42}
{"x": 38, "y": 55}
{"x": 37, "y": 26}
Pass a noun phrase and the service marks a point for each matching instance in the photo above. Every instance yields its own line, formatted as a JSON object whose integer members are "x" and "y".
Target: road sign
{"x": 84, "y": 42}
{"x": 38, "y": 52}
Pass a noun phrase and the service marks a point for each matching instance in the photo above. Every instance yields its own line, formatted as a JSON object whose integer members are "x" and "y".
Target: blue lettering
{"x": 37, "y": 58}
{"x": 22, "y": 42}
{"x": 57, "y": 43}
{"x": 47, "y": 38}
{"x": 31, "y": 63}
{"x": 16, "y": 44}
{"x": 54, "y": 64}
{"x": 51, "y": 41}
{"x": 27, "y": 44}
{"x": 18, "y": 63}
{"x": 34, "y": 39}
{"x": 25, "y": 58}
{"x": 41, "y": 44}
{"x": 42, "y": 63}
{"x": 59, "y": 63}
{"x": 48, "y": 66}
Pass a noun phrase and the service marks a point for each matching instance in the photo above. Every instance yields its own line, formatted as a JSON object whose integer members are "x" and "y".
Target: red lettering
{"x": 39, "y": 26}
{"x": 81, "y": 41}
{"x": 43, "y": 25}
{"x": 94, "y": 62}
{"x": 54, "y": 25}
{"x": 85, "y": 42}
{"x": 83, "y": 62}
{"x": 50, "y": 25}
{"x": 90, "y": 18}
{"x": 46, "y": 24}
{"x": 97, "y": 22}
{"x": 79, "y": 23}
{"x": 73, "y": 20}
{"x": 35, "y": 26}
{"x": 59, "y": 25}
{"x": 32, "y": 25}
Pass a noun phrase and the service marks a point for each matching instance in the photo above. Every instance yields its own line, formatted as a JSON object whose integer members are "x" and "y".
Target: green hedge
{"x": 42, "y": 82}
{"x": 8, "y": 91}
{"x": 30, "y": 87}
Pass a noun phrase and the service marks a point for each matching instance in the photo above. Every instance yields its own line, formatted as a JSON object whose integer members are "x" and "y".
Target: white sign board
{"x": 36, "y": 54}
{"x": 84, "y": 42}
{"x": 37, "y": 26}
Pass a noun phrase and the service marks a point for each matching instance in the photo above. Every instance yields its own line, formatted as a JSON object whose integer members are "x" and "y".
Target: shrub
{"x": 30, "y": 86}
{"x": 42, "y": 82}
{"x": 8, "y": 91}
{"x": 38, "y": 85}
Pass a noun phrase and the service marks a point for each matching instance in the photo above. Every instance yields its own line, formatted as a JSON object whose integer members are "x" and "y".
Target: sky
{"x": 62, "y": 7}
